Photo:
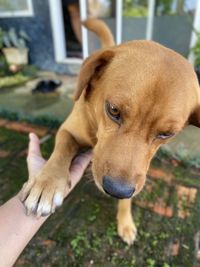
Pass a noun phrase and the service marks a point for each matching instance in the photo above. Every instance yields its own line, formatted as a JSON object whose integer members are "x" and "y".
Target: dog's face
{"x": 141, "y": 95}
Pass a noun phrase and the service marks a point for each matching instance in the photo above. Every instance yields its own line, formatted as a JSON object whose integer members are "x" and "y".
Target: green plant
{"x": 1, "y": 37}
{"x": 111, "y": 233}
{"x": 165, "y": 7}
{"x": 196, "y": 49}
{"x": 80, "y": 243}
{"x": 139, "y": 11}
{"x": 11, "y": 38}
{"x": 133, "y": 8}
{"x": 150, "y": 262}
{"x": 4, "y": 68}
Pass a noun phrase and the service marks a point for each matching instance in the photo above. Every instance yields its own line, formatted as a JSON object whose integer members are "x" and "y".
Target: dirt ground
{"x": 83, "y": 231}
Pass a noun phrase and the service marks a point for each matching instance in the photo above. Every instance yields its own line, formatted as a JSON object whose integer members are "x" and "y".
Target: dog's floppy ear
{"x": 92, "y": 66}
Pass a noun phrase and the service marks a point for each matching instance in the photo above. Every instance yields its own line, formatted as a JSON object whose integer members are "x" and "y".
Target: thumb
{"x": 34, "y": 145}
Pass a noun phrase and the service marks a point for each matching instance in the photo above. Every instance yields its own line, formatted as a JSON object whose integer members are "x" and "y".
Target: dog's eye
{"x": 165, "y": 135}
{"x": 113, "y": 112}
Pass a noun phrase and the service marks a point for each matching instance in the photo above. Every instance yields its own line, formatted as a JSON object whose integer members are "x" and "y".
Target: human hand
{"x": 35, "y": 162}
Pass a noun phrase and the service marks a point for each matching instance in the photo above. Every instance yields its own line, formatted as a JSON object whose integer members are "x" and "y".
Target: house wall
{"x": 172, "y": 31}
{"x": 38, "y": 28}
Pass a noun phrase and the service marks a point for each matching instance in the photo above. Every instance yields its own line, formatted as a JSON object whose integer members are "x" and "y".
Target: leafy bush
{"x": 139, "y": 11}
{"x": 196, "y": 49}
{"x": 134, "y": 9}
{"x": 11, "y": 38}
{"x": 4, "y": 68}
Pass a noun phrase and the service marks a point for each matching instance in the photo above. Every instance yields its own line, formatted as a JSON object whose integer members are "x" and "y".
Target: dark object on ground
{"x": 46, "y": 86}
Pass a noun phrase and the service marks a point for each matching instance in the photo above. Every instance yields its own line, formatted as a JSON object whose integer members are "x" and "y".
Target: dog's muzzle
{"x": 117, "y": 189}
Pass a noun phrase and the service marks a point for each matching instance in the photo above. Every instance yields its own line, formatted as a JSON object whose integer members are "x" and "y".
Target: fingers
{"x": 79, "y": 164}
{"x": 35, "y": 160}
{"x": 34, "y": 145}
{"x": 77, "y": 169}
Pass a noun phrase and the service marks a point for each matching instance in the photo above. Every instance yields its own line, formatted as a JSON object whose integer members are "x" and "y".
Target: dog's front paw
{"x": 43, "y": 194}
{"x": 127, "y": 230}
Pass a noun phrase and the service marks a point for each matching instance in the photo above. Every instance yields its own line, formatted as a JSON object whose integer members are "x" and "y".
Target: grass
{"x": 13, "y": 81}
{"x": 40, "y": 120}
{"x": 83, "y": 231}
{"x": 10, "y": 80}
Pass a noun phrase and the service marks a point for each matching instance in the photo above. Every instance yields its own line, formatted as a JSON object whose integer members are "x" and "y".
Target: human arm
{"x": 16, "y": 228}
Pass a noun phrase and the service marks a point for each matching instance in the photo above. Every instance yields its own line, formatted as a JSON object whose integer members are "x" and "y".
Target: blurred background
{"x": 56, "y": 39}
{"x": 42, "y": 47}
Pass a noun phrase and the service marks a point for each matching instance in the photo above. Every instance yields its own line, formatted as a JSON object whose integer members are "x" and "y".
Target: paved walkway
{"x": 83, "y": 231}
{"x": 51, "y": 105}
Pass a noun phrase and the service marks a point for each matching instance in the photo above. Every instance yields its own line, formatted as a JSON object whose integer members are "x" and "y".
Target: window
{"x": 17, "y": 8}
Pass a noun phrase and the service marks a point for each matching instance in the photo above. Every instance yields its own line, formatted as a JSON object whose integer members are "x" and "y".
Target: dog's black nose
{"x": 117, "y": 189}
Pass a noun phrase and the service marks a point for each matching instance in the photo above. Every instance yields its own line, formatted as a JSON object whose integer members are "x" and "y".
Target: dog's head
{"x": 140, "y": 95}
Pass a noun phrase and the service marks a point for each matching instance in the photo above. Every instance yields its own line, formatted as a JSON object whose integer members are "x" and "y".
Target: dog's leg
{"x": 125, "y": 224}
{"x": 44, "y": 192}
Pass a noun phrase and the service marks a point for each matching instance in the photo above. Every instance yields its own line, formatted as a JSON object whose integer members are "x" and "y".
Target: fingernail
{"x": 31, "y": 135}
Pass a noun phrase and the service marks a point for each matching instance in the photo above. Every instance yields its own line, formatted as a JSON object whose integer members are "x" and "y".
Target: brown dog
{"x": 130, "y": 99}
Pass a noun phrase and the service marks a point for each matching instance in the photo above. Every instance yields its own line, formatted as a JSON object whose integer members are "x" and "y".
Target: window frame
{"x": 19, "y": 13}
